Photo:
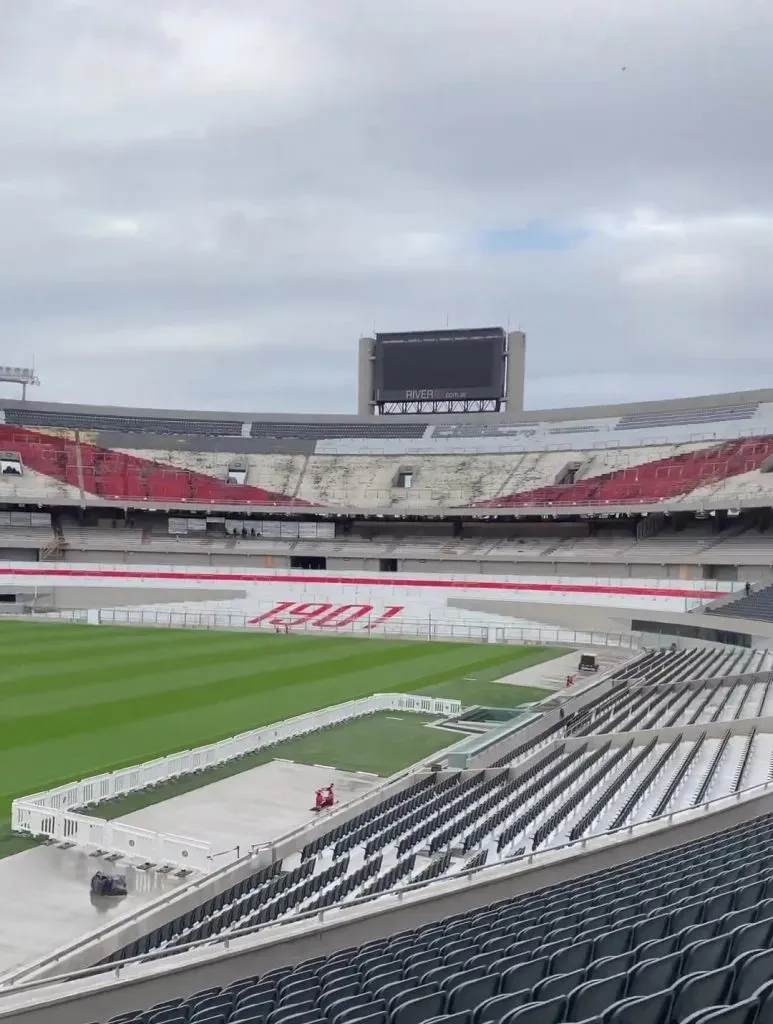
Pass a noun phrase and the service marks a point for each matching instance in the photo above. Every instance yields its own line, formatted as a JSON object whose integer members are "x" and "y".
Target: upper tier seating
{"x": 384, "y": 428}
{"x": 660, "y": 940}
{"x": 126, "y": 424}
{"x": 176, "y": 474}
{"x": 118, "y": 476}
{"x": 757, "y": 606}
{"x": 684, "y": 417}
{"x": 514, "y": 429}
{"x": 654, "y": 481}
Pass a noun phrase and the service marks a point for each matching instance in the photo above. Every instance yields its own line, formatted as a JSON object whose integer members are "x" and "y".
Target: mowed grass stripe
{"x": 183, "y": 668}
{"x": 69, "y": 661}
{"x": 168, "y": 690}
{"x": 223, "y": 680}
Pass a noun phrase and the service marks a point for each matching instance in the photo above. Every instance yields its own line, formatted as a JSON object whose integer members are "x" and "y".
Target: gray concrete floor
{"x": 253, "y": 807}
{"x": 551, "y": 675}
{"x": 46, "y": 900}
{"x": 44, "y": 893}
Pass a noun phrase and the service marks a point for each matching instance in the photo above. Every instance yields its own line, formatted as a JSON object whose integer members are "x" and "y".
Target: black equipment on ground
{"x": 588, "y": 663}
{"x": 108, "y": 885}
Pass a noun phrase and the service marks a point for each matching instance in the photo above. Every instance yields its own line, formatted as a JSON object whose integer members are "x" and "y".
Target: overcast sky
{"x": 204, "y": 203}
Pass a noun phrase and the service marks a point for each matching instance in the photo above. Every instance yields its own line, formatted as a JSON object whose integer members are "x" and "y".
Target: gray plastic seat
{"x": 740, "y": 1013}
{"x": 500, "y": 1006}
{"x": 699, "y": 991}
{"x": 372, "y": 1018}
{"x": 354, "y": 1012}
{"x": 752, "y": 936}
{"x": 470, "y": 994}
{"x": 557, "y": 985}
{"x": 706, "y": 956}
{"x": 416, "y": 1011}
{"x": 612, "y": 943}
{"x": 593, "y": 998}
{"x": 752, "y": 973}
{"x": 525, "y": 975}
{"x": 463, "y": 1017}
{"x": 550, "y": 1011}
{"x": 653, "y": 975}
{"x": 609, "y": 967}
{"x": 572, "y": 958}
{"x": 652, "y": 1009}
{"x": 658, "y": 947}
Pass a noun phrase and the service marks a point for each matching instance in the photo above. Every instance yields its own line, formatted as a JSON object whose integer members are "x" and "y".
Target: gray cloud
{"x": 205, "y": 204}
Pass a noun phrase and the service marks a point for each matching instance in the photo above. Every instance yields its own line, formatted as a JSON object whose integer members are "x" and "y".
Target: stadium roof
{"x": 764, "y": 395}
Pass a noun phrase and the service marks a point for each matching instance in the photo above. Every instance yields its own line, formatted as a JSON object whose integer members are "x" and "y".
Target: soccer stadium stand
{"x": 572, "y": 781}
{"x": 58, "y": 467}
{"x": 698, "y": 453}
{"x": 756, "y": 605}
{"x": 664, "y": 940}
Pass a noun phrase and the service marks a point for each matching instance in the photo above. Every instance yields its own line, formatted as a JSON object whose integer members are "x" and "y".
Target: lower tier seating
{"x": 668, "y": 939}
{"x": 757, "y": 606}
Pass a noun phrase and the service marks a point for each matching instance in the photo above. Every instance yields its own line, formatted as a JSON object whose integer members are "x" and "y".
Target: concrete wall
{"x": 446, "y": 566}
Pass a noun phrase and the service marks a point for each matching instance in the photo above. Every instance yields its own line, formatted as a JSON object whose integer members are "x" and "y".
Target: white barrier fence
{"x": 53, "y": 814}
{"x": 427, "y": 628}
{"x": 113, "y": 837}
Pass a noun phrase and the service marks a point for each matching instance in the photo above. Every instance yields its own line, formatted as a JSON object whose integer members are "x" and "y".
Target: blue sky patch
{"x": 536, "y": 236}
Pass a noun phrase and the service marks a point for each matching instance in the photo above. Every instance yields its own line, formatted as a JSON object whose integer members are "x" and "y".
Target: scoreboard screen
{"x": 440, "y": 365}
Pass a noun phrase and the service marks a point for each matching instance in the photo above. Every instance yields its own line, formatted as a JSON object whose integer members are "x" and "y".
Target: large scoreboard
{"x": 440, "y": 366}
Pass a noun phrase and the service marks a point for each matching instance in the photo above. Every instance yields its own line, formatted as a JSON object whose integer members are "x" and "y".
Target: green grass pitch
{"x": 81, "y": 700}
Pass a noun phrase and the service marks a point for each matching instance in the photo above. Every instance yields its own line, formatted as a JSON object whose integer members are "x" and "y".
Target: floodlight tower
{"x": 19, "y": 375}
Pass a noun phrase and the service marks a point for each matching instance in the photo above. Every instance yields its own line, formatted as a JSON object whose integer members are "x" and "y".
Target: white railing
{"x": 53, "y": 813}
{"x": 113, "y": 837}
{"x": 427, "y": 628}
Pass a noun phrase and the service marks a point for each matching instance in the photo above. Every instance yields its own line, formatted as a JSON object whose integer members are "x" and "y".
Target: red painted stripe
{"x": 171, "y": 575}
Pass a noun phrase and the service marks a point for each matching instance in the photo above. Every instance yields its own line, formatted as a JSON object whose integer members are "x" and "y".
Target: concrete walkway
{"x": 551, "y": 675}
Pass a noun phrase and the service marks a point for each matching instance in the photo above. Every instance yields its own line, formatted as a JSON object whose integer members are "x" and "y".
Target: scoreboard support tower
{"x": 437, "y": 372}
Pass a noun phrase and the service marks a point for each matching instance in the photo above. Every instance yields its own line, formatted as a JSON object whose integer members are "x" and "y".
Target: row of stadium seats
{"x": 663, "y": 940}
{"x": 682, "y": 417}
{"x": 695, "y": 663}
{"x": 29, "y": 416}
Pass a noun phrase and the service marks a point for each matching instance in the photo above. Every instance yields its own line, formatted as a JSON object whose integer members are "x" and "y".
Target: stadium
{"x": 447, "y": 710}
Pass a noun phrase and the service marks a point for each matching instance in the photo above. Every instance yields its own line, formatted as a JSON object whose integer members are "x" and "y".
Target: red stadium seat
{"x": 651, "y": 482}
{"x": 122, "y": 477}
